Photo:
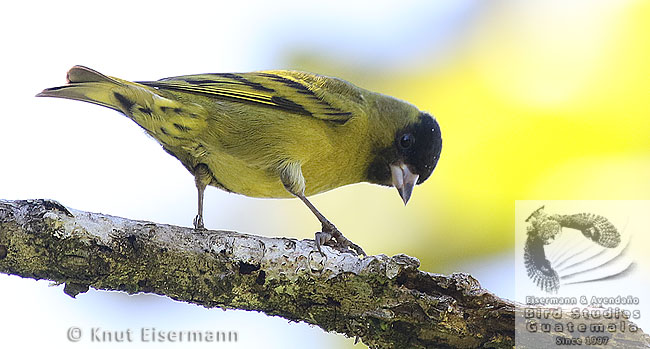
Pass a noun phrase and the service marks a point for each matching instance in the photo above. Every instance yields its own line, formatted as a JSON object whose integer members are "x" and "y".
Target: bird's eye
{"x": 407, "y": 141}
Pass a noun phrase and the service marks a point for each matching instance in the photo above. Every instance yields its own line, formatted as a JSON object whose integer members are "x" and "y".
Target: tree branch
{"x": 385, "y": 301}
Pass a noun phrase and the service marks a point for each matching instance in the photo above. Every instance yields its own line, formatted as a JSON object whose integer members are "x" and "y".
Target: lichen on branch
{"x": 387, "y": 302}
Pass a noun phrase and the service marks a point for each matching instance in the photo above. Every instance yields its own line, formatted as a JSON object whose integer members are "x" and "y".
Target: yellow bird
{"x": 274, "y": 134}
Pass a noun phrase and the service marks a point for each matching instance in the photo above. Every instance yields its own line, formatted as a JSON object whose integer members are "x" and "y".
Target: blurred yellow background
{"x": 536, "y": 100}
{"x": 541, "y": 100}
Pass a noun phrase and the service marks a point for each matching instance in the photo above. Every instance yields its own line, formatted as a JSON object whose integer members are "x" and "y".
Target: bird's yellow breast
{"x": 238, "y": 176}
{"x": 247, "y": 160}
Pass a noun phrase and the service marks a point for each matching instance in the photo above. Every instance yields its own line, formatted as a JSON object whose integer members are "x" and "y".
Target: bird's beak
{"x": 403, "y": 179}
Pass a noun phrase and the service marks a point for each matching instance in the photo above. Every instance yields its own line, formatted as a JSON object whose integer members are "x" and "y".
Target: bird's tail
{"x": 161, "y": 117}
{"x": 85, "y": 84}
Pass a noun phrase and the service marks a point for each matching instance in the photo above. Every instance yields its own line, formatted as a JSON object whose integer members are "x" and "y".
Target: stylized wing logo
{"x": 543, "y": 229}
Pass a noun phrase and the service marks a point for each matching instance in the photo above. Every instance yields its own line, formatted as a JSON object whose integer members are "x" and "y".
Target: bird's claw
{"x": 332, "y": 237}
{"x": 322, "y": 238}
{"x": 198, "y": 223}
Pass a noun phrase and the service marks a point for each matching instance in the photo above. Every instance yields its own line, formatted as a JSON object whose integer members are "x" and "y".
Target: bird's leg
{"x": 202, "y": 178}
{"x": 198, "y": 220}
{"x": 294, "y": 182}
{"x": 330, "y": 231}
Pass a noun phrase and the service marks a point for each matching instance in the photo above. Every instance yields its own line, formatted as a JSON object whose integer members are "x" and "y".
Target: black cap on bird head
{"x": 412, "y": 157}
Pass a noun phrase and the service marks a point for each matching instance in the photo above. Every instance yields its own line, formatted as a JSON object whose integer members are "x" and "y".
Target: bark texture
{"x": 385, "y": 301}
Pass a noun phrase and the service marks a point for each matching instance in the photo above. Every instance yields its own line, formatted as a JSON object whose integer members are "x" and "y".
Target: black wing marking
{"x": 294, "y": 92}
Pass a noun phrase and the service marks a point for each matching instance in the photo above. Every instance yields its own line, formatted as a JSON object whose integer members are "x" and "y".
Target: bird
{"x": 274, "y": 134}
{"x": 543, "y": 229}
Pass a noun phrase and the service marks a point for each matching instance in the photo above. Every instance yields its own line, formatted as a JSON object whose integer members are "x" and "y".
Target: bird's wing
{"x": 539, "y": 269}
{"x": 295, "y": 92}
{"x": 595, "y": 227}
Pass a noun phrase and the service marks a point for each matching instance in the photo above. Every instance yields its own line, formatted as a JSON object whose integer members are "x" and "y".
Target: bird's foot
{"x": 332, "y": 237}
{"x": 198, "y": 222}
